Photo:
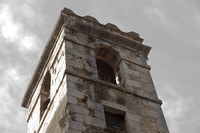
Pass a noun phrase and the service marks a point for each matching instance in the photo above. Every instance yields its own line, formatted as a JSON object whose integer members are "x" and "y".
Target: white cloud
{"x": 158, "y": 14}
{"x": 12, "y": 73}
{"x": 172, "y": 112}
{"x": 28, "y": 42}
{"x": 4, "y": 95}
{"x": 198, "y": 20}
{"x": 9, "y": 29}
{"x": 12, "y": 30}
{"x": 16, "y": 42}
{"x": 28, "y": 13}
{"x": 159, "y": 17}
{"x": 175, "y": 107}
{"x": 9, "y": 90}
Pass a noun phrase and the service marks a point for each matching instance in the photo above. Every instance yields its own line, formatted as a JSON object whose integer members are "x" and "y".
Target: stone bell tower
{"x": 93, "y": 78}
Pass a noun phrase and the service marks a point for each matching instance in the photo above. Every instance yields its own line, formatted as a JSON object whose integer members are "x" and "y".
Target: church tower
{"x": 93, "y": 78}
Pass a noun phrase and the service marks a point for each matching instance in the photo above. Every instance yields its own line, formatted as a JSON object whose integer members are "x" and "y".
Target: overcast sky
{"x": 170, "y": 27}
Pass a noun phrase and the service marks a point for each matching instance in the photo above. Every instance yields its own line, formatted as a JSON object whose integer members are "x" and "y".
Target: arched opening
{"x": 107, "y": 60}
{"x": 45, "y": 93}
{"x": 105, "y": 71}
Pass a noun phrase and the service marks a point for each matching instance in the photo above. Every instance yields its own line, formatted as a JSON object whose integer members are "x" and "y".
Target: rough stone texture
{"x": 71, "y": 99}
{"x": 79, "y": 109}
{"x": 78, "y": 99}
{"x": 76, "y": 125}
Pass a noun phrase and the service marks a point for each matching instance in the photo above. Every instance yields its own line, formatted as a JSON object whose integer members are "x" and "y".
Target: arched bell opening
{"x": 108, "y": 60}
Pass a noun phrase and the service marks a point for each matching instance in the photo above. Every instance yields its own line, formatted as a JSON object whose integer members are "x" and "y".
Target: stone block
{"x": 88, "y": 57}
{"x": 114, "y": 105}
{"x": 93, "y": 64}
{"x": 144, "y": 79}
{"x": 75, "y": 93}
{"x": 71, "y": 100}
{"x": 69, "y": 45}
{"x": 130, "y": 70}
{"x": 155, "y": 106}
{"x": 76, "y": 125}
{"x": 152, "y": 113}
{"x": 94, "y": 121}
{"x": 79, "y": 117}
{"x": 133, "y": 83}
{"x": 133, "y": 72}
{"x": 133, "y": 117}
{"x": 84, "y": 62}
{"x": 142, "y": 69}
{"x": 90, "y": 69}
{"x": 99, "y": 114}
{"x": 73, "y": 131}
{"x": 92, "y": 52}
{"x": 132, "y": 125}
{"x": 69, "y": 56}
{"x": 71, "y": 85}
{"x": 133, "y": 130}
{"x": 69, "y": 68}
{"x": 75, "y": 79}
{"x": 79, "y": 109}
{"x": 95, "y": 106}
{"x": 73, "y": 52}
{"x": 94, "y": 76}
{"x": 75, "y": 64}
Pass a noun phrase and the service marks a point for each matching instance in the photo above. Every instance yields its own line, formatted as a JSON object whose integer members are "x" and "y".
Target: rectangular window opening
{"x": 115, "y": 120}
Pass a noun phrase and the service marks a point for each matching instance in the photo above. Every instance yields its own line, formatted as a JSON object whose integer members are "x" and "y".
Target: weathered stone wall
{"x": 87, "y": 95}
{"x": 78, "y": 98}
{"x": 50, "y": 120}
